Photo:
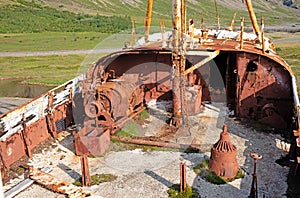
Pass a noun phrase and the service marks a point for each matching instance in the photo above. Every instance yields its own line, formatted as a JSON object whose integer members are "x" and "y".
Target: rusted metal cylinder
{"x": 223, "y": 160}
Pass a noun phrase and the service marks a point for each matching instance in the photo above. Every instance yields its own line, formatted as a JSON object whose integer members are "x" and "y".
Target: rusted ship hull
{"x": 248, "y": 77}
{"x": 257, "y": 86}
{"x": 23, "y": 128}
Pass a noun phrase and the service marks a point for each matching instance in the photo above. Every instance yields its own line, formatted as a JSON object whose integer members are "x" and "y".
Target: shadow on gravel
{"x": 69, "y": 171}
{"x": 293, "y": 181}
{"x": 158, "y": 178}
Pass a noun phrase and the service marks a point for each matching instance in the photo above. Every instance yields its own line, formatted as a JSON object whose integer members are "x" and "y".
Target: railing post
{"x": 133, "y": 32}
{"x": 242, "y": 32}
{"x": 24, "y": 136}
{"x": 50, "y": 116}
{"x": 263, "y": 34}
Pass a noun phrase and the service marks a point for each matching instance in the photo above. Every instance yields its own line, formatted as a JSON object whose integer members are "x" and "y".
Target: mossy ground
{"x": 97, "y": 179}
{"x": 174, "y": 192}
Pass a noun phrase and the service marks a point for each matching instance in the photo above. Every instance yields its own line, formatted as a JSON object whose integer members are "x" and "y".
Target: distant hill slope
{"x": 274, "y": 11}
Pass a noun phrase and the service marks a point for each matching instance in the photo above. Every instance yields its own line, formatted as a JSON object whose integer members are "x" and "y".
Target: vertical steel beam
{"x": 177, "y": 111}
{"x": 182, "y": 61}
{"x": 148, "y": 20}
{"x": 263, "y": 34}
{"x": 86, "y": 177}
{"x": 24, "y": 134}
{"x": 242, "y": 33}
{"x": 178, "y": 62}
{"x": 182, "y": 176}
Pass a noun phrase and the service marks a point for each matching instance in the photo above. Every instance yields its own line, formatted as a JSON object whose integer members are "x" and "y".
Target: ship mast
{"x": 148, "y": 20}
{"x": 253, "y": 19}
{"x": 178, "y": 62}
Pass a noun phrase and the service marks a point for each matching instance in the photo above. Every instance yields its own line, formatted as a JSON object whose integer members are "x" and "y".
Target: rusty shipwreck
{"x": 189, "y": 66}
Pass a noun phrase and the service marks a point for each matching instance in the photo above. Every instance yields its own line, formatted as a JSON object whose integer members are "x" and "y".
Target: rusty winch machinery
{"x": 254, "y": 81}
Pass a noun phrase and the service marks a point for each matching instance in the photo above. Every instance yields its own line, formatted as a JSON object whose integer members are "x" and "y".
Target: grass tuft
{"x": 143, "y": 115}
{"x": 97, "y": 179}
{"x": 174, "y": 192}
{"x": 130, "y": 130}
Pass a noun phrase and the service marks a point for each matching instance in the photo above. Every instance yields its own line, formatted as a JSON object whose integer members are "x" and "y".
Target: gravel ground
{"x": 150, "y": 173}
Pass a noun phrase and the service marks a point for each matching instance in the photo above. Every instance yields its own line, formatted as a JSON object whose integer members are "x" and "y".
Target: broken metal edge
{"x": 48, "y": 181}
{"x": 22, "y": 185}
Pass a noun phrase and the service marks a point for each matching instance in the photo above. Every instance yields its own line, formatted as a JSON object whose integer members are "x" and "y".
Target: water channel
{"x": 13, "y": 93}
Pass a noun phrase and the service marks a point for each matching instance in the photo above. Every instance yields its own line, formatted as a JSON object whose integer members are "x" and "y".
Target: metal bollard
{"x": 182, "y": 176}
{"x": 86, "y": 177}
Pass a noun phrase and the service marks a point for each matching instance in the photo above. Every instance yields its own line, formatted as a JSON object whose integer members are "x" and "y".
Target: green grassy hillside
{"x": 75, "y": 24}
{"x": 32, "y": 17}
{"x": 88, "y": 15}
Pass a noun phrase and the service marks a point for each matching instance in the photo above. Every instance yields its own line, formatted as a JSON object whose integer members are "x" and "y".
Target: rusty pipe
{"x": 253, "y": 18}
{"x": 148, "y": 20}
{"x": 155, "y": 143}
